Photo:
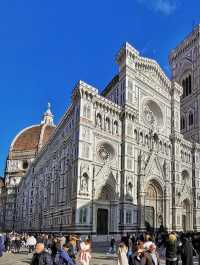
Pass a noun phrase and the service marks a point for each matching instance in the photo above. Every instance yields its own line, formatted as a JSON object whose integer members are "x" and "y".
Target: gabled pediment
{"x": 152, "y": 70}
{"x": 154, "y": 167}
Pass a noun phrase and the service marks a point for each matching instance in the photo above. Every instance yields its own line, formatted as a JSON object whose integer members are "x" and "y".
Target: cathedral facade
{"x": 124, "y": 159}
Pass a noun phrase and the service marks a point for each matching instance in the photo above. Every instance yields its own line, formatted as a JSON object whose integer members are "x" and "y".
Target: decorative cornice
{"x": 128, "y": 51}
{"x": 184, "y": 45}
{"x": 175, "y": 87}
{"x": 176, "y": 137}
{"x": 149, "y": 65}
{"x": 142, "y": 64}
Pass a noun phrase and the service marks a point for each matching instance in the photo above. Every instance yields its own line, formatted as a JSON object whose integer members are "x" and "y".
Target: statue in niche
{"x": 115, "y": 127}
{"x": 141, "y": 160}
{"x": 99, "y": 120}
{"x": 84, "y": 183}
{"x": 129, "y": 188}
{"x": 166, "y": 169}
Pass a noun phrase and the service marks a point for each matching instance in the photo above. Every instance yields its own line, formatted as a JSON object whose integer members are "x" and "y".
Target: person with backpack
{"x": 62, "y": 256}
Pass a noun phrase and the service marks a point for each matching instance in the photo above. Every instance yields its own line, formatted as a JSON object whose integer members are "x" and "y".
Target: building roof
{"x": 110, "y": 86}
{"x": 32, "y": 138}
{"x": 2, "y": 184}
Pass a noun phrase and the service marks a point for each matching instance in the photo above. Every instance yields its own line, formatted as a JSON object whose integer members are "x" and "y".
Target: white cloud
{"x": 166, "y": 7}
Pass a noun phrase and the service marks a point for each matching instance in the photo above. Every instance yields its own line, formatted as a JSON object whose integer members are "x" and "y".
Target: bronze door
{"x": 102, "y": 222}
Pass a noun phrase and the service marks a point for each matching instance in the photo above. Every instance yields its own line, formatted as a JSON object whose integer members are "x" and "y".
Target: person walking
{"x": 197, "y": 244}
{"x": 137, "y": 257}
{"x": 41, "y": 257}
{"x": 62, "y": 256}
{"x": 1, "y": 244}
{"x": 151, "y": 256}
{"x": 112, "y": 245}
{"x": 31, "y": 242}
{"x": 171, "y": 249}
{"x": 122, "y": 254}
{"x": 84, "y": 254}
{"x": 187, "y": 251}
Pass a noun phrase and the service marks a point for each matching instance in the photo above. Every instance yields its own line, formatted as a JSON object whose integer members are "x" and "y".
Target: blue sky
{"x": 46, "y": 46}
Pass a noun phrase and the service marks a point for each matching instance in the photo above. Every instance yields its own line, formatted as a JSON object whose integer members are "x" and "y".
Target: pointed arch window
{"x": 187, "y": 85}
{"x": 182, "y": 123}
{"x": 191, "y": 118}
{"x": 184, "y": 87}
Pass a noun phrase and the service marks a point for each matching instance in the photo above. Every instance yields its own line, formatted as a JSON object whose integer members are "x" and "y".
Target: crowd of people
{"x": 148, "y": 249}
{"x": 143, "y": 249}
{"x": 48, "y": 249}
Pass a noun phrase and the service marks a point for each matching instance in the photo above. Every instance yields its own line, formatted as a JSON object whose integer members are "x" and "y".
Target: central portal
{"x": 153, "y": 205}
{"x": 102, "y": 222}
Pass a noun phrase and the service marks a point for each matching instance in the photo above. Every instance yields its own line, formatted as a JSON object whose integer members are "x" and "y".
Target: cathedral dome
{"x": 1, "y": 183}
{"x": 32, "y": 138}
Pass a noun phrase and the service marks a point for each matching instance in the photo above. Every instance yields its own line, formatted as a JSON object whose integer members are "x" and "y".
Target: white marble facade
{"x": 117, "y": 161}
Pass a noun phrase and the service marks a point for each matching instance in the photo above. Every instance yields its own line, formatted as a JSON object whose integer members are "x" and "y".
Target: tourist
{"x": 151, "y": 256}
{"x": 54, "y": 247}
{"x": 197, "y": 244}
{"x": 17, "y": 244}
{"x": 112, "y": 245}
{"x": 31, "y": 242}
{"x": 147, "y": 241}
{"x": 187, "y": 251}
{"x": 137, "y": 257}
{"x": 1, "y": 244}
{"x": 130, "y": 246}
{"x": 84, "y": 254}
{"x": 72, "y": 247}
{"x": 171, "y": 249}
{"x": 62, "y": 240}
{"x": 7, "y": 243}
{"x": 41, "y": 257}
{"x": 62, "y": 256}
{"x": 122, "y": 254}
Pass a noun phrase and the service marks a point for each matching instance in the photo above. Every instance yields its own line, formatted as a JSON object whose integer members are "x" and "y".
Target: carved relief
{"x": 152, "y": 115}
{"x": 166, "y": 169}
{"x": 142, "y": 160}
{"x": 149, "y": 116}
{"x": 85, "y": 133}
{"x": 105, "y": 152}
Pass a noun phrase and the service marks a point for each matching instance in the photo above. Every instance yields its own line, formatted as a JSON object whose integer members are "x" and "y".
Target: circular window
{"x": 105, "y": 151}
{"x": 152, "y": 114}
{"x": 25, "y": 164}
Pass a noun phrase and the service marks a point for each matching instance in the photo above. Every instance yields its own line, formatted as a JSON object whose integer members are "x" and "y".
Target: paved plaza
{"x": 99, "y": 257}
{"x": 23, "y": 259}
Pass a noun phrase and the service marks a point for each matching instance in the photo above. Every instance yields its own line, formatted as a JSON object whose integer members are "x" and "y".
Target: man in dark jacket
{"x": 41, "y": 257}
{"x": 171, "y": 249}
{"x": 187, "y": 251}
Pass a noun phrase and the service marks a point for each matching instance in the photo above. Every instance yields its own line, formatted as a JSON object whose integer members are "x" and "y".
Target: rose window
{"x": 105, "y": 152}
{"x": 152, "y": 114}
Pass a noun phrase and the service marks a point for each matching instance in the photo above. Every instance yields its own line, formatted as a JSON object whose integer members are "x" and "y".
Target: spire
{"x": 48, "y": 116}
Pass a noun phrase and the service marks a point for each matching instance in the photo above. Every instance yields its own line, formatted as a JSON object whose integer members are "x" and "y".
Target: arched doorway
{"x": 186, "y": 215}
{"x": 153, "y": 205}
{"x": 105, "y": 211}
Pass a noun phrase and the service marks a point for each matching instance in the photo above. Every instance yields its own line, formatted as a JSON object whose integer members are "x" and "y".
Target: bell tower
{"x": 185, "y": 64}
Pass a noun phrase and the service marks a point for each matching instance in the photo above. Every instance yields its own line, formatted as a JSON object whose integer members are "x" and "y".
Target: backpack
{"x": 59, "y": 260}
